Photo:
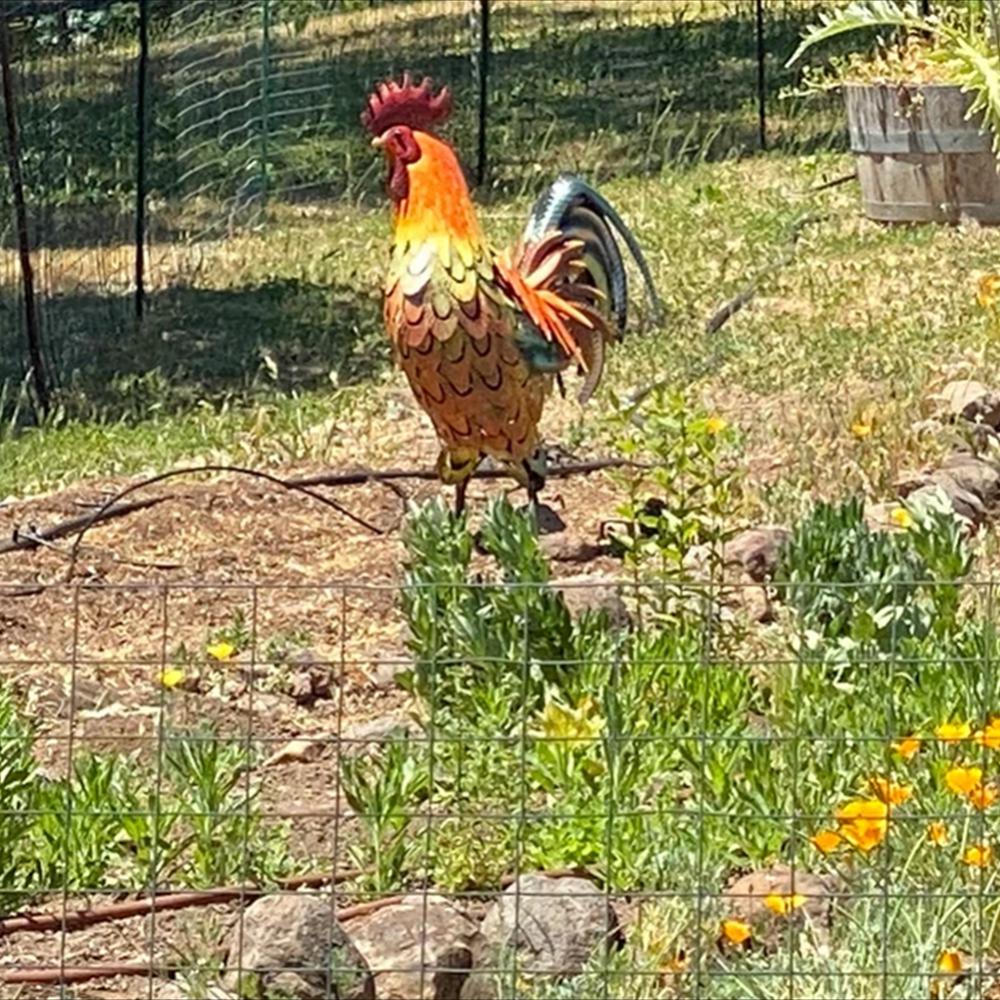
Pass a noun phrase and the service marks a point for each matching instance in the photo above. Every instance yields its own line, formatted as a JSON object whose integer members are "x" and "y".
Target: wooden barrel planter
{"x": 918, "y": 158}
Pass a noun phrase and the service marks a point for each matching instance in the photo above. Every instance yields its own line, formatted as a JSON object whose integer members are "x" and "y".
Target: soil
{"x": 85, "y": 644}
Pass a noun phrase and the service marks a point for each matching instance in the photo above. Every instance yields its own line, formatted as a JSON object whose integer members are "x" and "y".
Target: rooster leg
{"x": 535, "y": 484}
{"x": 460, "y": 490}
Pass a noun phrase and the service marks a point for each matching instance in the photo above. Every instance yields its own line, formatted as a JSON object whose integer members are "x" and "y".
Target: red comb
{"x": 405, "y": 104}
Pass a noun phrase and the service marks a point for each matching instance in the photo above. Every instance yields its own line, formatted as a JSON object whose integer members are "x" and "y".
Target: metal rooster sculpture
{"x": 481, "y": 336}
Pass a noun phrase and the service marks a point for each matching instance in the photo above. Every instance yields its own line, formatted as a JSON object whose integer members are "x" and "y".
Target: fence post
{"x": 761, "y": 79}
{"x": 39, "y": 380}
{"x": 265, "y": 96}
{"x": 140, "y": 161}
{"x": 483, "y": 82}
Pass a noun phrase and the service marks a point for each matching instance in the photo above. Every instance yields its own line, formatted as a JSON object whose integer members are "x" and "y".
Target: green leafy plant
{"x": 856, "y": 585}
{"x": 962, "y": 42}
{"x": 384, "y": 791}
{"x": 682, "y": 490}
{"x": 216, "y": 799}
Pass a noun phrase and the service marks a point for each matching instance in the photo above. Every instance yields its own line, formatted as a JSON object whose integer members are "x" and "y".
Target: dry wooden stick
{"x": 114, "y": 508}
{"x": 34, "y": 539}
{"x": 727, "y": 310}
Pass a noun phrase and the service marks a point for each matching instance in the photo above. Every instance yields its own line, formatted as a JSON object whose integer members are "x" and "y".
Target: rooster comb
{"x": 405, "y": 103}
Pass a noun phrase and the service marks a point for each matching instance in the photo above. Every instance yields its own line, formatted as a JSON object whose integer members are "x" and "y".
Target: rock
{"x": 290, "y": 946}
{"x": 297, "y": 751}
{"x": 312, "y": 678}
{"x": 965, "y": 504}
{"x": 754, "y": 602}
{"x": 385, "y": 668}
{"x": 744, "y": 900}
{"x": 554, "y": 924}
{"x": 417, "y": 949}
{"x": 548, "y": 520}
{"x": 568, "y": 547}
{"x": 756, "y": 550}
{"x": 878, "y": 516}
{"x": 972, "y": 401}
{"x": 167, "y": 989}
{"x": 361, "y": 737}
{"x": 975, "y": 475}
{"x": 909, "y": 481}
{"x": 593, "y": 594}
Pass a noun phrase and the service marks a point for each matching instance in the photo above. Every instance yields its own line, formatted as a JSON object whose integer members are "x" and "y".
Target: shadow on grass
{"x": 199, "y": 346}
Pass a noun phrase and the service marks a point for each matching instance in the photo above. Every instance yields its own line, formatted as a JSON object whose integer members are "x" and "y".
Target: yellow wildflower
{"x": 784, "y": 903}
{"x": 571, "y": 725}
{"x": 221, "y": 651}
{"x": 172, "y": 677}
{"x": 950, "y": 961}
{"x": 978, "y": 855}
{"x": 861, "y": 429}
{"x": 937, "y": 833}
{"x": 826, "y": 841}
{"x": 901, "y": 517}
{"x": 953, "y": 732}
{"x": 988, "y": 290}
{"x": 735, "y": 931}
{"x": 716, "y": 425}
{"x": 963, "y": 780}
{"x": 888, "y": 791}
{"x": 990, "y": 736}
{"x": 983, "y": 797}
{"x": 907, "y": 747}
{"x": 864, "y": 823}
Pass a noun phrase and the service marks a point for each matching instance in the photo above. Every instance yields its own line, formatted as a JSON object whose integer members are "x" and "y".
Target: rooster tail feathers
{"x": 574, "y": 209}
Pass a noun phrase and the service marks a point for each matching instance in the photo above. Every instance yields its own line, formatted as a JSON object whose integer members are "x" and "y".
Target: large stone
{"x": 963, "y": 503}
{"x": 756, "y": 550}
{"x": 745, "y": 900}
{"x": 593, "y": 594}
{"x": 549, "y": 927}
{"x": 971, "y": 400}
{"x": 291, "y": 946}
{"x": 976, "y": 475}
{"x": 418, "y": 949}
{"x": 569, "y": 547}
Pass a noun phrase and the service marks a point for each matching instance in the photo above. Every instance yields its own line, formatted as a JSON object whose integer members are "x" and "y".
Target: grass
{"x": 668, "y": 758}
{"x": 242, "y": 360}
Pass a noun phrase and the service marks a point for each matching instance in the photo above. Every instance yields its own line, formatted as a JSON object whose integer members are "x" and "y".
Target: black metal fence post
{"x": 483, "y": 81}
{"x": 761, "y": 77}
{"x": 33, "y": 337}
{"x": 140, "y": 161}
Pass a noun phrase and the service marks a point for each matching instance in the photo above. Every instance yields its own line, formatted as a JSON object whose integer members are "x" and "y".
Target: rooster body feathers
{"x": 481, "y": 335}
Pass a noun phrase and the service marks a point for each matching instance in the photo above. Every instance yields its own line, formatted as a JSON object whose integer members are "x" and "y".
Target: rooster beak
{"x": 379, "y": 141}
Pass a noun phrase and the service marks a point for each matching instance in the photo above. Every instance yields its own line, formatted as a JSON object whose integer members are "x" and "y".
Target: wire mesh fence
{"x": 498, "y": 787}
{"x": 151, "y": 135}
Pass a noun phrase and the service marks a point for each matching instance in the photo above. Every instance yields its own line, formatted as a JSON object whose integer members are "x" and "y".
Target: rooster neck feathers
{"x": 437, "y": 200}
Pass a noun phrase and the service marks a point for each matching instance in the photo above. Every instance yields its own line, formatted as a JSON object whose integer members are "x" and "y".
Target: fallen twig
{"x": 836, "y": 182}
{"x": 727, "y": 310}
{"x": 36, "y": 538}
{"x": 113, "y": 508}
